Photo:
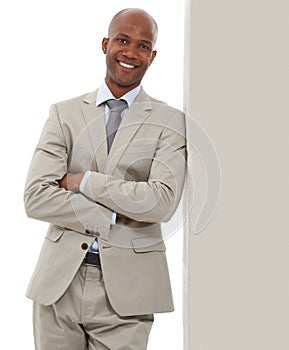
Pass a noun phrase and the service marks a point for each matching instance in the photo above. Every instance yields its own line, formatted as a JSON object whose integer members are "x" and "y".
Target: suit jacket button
{"x": 84, "y": 246}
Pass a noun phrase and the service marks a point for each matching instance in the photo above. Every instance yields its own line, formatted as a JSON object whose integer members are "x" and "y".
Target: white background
{"x": 51, "y": 51}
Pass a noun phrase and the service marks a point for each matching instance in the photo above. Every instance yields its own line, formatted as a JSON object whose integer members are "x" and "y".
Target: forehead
{"x": 133, "y": 25}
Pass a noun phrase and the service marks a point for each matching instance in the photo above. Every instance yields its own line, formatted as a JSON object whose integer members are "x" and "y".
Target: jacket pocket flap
{"x": 54, "y": 233}
{"x": 148, "y": 244}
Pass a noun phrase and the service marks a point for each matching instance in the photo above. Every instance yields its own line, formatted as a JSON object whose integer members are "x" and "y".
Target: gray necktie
{"x": 116, "y": 108}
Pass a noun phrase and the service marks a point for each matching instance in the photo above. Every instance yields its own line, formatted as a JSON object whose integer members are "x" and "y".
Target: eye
{"x": 144, "y": 47}
{"x": 122, "y": 41}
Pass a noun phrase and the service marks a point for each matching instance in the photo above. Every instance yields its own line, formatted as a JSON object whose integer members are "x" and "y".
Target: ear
{"x": 104, "y": 45}
{"x": 154, "y": 53}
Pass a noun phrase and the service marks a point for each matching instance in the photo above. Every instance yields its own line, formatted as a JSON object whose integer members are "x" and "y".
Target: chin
{"x": 126, "y": 84}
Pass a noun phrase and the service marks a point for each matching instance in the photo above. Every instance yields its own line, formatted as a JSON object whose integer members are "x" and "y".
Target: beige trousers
{"x": 84, "y": 320}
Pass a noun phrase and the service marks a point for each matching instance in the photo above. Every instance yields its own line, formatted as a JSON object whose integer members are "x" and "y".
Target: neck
{"x": 119, "y": 91}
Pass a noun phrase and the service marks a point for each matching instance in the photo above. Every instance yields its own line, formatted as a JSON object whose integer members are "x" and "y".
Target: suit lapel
{"x": 138, "y": 112}
{"x": 95, "y": 121}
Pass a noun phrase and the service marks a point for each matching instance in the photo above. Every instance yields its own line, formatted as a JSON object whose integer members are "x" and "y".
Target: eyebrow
{"x": 121, "y": 34}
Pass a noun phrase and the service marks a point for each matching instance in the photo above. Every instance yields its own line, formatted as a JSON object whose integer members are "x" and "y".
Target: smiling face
{"x": 129, "y": 50}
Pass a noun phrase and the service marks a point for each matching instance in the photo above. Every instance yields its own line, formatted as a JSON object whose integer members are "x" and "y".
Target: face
{"x": 129, "y": 51}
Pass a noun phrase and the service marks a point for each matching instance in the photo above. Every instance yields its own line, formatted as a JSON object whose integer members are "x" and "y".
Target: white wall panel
{"x": 236, "y": 87}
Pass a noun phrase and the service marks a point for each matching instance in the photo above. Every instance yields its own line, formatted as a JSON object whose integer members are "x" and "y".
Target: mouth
{"x": 126, "y": 65}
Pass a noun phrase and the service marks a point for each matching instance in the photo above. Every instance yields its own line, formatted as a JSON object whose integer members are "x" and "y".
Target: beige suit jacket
{"x": 141, "y": 178}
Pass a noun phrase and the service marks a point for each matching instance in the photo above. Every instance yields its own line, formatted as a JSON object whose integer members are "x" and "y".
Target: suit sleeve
{"x": 45, "y": 200}
{"x": 154, "y": 200}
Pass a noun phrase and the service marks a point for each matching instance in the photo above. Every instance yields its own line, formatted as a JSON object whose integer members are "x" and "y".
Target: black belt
{"x": 92, "y": 259}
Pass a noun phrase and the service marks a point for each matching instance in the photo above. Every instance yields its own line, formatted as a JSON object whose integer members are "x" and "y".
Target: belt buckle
{"x": 93, "y": 263}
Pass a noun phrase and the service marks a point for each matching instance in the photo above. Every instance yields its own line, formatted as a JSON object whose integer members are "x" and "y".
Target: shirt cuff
{"x": 84, "y": 180}
{"x": 113, "y": 218}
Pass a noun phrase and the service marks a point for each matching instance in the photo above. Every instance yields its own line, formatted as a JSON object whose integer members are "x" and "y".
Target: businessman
{"x": 108, "y": 169}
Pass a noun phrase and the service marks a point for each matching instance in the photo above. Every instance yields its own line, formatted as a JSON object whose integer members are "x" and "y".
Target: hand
{"x": 121, "y": 216}
{"x": 71, "y": 182}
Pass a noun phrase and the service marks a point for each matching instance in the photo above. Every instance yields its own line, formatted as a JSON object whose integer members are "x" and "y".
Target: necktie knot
{"x": 117, "y": 105}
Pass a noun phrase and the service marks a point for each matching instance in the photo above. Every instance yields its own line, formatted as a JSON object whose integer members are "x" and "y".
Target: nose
{"x": 130, "y": 52}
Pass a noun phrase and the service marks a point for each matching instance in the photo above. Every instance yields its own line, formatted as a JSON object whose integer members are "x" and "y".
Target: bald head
{"x": 131, "y": 14}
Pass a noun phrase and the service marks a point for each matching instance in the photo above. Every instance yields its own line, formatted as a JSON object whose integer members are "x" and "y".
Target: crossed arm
{"x": 52, "y": 194}
{"x": 45, "y": 200}
{"x": 154, "y": 200}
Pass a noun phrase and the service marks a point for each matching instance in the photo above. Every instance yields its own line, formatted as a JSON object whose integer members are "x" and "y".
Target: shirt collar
{"x": 105, "y": 94}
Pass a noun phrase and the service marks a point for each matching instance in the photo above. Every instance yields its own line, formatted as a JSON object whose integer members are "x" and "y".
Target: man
{"x": 108, "y": 169}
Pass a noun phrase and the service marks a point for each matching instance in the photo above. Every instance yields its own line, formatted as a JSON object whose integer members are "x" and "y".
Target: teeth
{"x": 126, "y": 65}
